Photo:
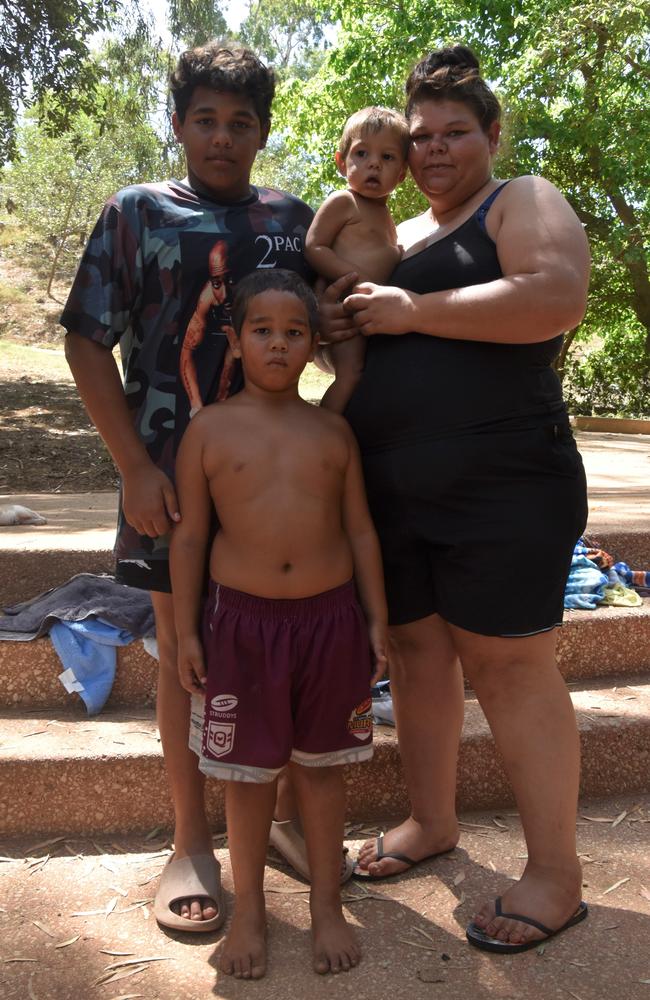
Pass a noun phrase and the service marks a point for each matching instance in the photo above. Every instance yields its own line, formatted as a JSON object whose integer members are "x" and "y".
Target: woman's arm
{"x": 544, "y": 256}
{"x": 366, "y": 556}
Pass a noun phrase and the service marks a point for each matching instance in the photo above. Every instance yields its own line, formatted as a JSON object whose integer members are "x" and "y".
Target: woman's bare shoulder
{"x": 529, "y": 188}
{"x": 525, "y": 202}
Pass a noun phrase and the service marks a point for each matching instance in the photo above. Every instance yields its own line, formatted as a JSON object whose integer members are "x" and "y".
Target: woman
{"x": 469, "y": 459}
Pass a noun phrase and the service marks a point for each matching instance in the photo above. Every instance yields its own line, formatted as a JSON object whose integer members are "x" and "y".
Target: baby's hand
{"x": 378, "y": 634}
{"x": 191, "y": 665}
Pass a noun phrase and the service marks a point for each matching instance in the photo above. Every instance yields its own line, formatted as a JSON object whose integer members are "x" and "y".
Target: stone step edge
{"x": 591, "y": 644}
{"x": 106, "y": 779}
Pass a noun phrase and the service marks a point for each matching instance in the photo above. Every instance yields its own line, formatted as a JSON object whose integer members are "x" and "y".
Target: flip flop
{"x": 364, "y": 874}
{"x": 198, "y": 876}
{"x": 287, "y": 838}
{"x": 480, "y": 939}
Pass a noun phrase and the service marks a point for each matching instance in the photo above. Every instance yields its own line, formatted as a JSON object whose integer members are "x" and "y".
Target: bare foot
{"x": 199, "y": 908}
{"x": 243, "y": 954}
{"x": 334, "y": 943}
{"x": 548, "y": 895}
{"x": 409, "y": 838}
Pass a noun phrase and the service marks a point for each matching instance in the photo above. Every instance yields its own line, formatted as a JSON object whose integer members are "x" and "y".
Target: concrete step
{"x": 600, "y": 643}
{"x": 32, "y": 560}
{"x": 29, "y": 676}
{"x": 70, "y": 774}
{"x": 68, "y": 908}
{"x": 78, "y": 537}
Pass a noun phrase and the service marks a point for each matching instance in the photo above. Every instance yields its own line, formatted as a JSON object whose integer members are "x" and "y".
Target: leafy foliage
{"x": 195, "y": 22}
{"x": 43, "y": 47}
{"x": 613, "y": 379}
{"x": 286, "y": 33}
{"x": 61, "y": 177}
{"x": 573, "y": 77}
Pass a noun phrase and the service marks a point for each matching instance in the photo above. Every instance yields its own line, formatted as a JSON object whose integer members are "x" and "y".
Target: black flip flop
{"x": 364, "y": 875}
{"x": 480, "y": 939}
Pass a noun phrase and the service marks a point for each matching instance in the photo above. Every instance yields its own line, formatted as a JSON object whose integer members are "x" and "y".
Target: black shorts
{"x": 144, "y": 574}
{"x": 480, "y": 528}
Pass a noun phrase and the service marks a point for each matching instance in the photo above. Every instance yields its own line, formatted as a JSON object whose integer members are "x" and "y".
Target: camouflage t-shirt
{"x": 157, "y": 277}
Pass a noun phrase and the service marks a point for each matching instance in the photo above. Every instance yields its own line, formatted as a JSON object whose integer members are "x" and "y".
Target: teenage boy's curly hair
{"x": 277, "y": 280}
{"x": 225, "y": 69}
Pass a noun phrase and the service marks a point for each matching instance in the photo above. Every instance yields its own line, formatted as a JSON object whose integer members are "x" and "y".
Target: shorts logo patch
{"x": 219, "y": 738}
{"x": 222, "y": 703}
{"x": 360, "y": 721}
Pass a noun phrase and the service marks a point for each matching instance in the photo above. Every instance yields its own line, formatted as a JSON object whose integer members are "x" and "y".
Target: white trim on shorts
{"x": 228, "y": 771}
{"x": 525, "y": 635}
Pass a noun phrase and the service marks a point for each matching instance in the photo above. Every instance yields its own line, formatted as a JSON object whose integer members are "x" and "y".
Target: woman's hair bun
{"x": 456, "y": 56}
{"x": 452, "y": 74}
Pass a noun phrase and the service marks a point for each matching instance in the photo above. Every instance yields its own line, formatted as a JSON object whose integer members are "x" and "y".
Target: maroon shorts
{"x": 287, "y": 680}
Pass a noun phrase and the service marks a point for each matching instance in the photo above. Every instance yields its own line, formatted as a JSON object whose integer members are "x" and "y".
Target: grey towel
{"x": 83, "y": 596}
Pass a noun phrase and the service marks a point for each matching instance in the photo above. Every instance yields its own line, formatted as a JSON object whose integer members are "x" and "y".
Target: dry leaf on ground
{"x": 65, "y": 944}
{"x": 44, "y": 928}
{"x": 616, "y": 885}
{"x": 416, "y": 944}
{"x": 115, "y": 977}
{"x": 424, "y": 934}
{"x": 138, "y": 961}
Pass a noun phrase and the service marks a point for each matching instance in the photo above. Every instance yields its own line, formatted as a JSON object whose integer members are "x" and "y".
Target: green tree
{"x": 61, "y": 176}
{"x": 43, "y": 46}
{"x": 289, "y": 34}
{"x": 573, "y": 77}
{"x": 195, "y": 22}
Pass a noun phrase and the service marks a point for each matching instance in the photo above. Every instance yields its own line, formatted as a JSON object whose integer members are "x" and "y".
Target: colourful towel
{"x": 585, "y": 585}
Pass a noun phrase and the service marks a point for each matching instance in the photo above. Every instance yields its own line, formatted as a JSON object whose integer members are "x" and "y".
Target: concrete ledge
{"x": 75, "y": 775}
{"x": 29, "y": 677}
{"x": 591, "y": 644}
{"x": 611, "y": 425}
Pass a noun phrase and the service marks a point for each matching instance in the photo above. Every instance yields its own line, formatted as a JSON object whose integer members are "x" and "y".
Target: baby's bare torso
{"x": 276, "y": 476}
{"x": 368, "y": 241}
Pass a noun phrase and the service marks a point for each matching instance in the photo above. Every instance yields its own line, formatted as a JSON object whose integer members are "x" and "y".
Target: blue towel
{"x": 87, "y": 651}
{"x": 585, "y": 585}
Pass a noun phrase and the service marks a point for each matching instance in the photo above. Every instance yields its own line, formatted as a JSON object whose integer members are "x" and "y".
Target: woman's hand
{"x": 336, "y": 322}
{"x": 382, "y": 309}
{"x": 378, "y": 635}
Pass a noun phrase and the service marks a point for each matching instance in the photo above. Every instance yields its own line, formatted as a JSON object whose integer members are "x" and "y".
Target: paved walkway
{"x": 618, "y": 473}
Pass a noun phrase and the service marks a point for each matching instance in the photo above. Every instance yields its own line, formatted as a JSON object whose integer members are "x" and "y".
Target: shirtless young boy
{"x": 283, "y": 653}
{"x": 353, "y": 230}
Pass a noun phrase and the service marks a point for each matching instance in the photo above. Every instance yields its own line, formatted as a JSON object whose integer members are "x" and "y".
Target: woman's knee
{"x": 427, "y": 644}
{"x": 496, "y": 662}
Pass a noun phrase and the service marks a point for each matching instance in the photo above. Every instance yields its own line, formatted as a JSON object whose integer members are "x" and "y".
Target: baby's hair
{"x": 277, "y": 280}
{"x": 370, "y": 121}
{"x": 453, "y": 74}
{"x": 226, "y": 69}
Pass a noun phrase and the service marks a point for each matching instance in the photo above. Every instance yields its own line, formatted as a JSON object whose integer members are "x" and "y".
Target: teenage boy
{"x": 284, "y": 657}
{"x": 353, "y": 230}
{"x": 157, "y": 278}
